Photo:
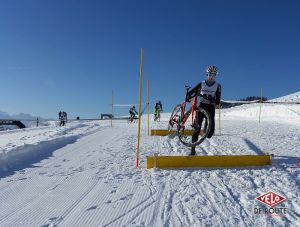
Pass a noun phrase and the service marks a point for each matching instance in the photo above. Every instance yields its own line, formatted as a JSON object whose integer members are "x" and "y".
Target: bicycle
{"x": 187, "y": 121}
{"x": 132, "y": 119}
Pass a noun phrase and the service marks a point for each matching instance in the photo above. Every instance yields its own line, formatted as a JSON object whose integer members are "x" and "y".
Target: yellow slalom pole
{"x": 148, "y": 103}
{"x": 140, "y": 107}
{"x": 112, "y": 107}
{"x": 260, "y": 105}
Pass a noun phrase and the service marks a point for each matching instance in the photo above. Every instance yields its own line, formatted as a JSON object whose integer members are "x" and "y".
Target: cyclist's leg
{"x": 196, "y": 133}
{"x": 158, "y": 114}
{"x": 205, "y": 107}
{"x": 131, "y": 116}
{"x": 198, "y": 127}
{"x": 211, "y": 111}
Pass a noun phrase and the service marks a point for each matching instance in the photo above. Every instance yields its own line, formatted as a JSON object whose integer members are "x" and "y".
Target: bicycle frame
{"x": 184, "y": 115}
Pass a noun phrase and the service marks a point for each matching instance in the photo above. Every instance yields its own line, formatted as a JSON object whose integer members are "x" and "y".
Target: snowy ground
{"x": 84, "y": 175}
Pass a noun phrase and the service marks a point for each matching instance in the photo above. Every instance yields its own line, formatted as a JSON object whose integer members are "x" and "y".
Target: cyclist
{"x": 132, "y": 112}
{"x": 158, "y": 110}
{"x": 210, "y": 95}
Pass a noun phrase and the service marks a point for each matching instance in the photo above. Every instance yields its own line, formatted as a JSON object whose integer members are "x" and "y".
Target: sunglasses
{"x": 211, "y": 74}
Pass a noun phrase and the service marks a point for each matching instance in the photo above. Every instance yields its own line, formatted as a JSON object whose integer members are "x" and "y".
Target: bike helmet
{"x": 212, "y": 69}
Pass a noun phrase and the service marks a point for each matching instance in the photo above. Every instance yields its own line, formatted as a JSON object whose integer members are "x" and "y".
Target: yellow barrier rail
{"x": 165, "y": 132}
{"x": 208, "y": 161}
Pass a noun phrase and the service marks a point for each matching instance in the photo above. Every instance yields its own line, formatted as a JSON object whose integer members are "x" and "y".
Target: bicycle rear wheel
{"x": 197, "y": 129}
{"x": 175, "y": 117}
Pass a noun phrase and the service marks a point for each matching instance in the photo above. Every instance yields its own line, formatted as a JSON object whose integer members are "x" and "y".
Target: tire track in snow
{"x": 168, "y": 200}
{"x": 237, "y": 202}
{"x": 165, "y": 203}
{"x": 128, "y": 212}
{"x": 169, "y": 192}
{"x": 200, "y": 191}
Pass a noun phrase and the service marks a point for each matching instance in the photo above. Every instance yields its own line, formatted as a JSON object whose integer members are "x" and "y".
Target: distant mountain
{"x": 27, "y": 119}
{"x": 23, "y": 116}
{"x": 4, "y": 115}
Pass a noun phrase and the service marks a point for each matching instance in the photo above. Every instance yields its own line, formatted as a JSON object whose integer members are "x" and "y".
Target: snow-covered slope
{"x": 84, "y": 175}
{"x": 294, "y": 97}
{"x": 273, "y": 112}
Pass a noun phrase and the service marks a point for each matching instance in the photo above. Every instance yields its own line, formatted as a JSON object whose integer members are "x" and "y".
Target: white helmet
{"x": 212, "y": 69}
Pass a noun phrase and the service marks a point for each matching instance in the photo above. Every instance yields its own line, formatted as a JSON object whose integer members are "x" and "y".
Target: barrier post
{"x": 140, "y": 106}
{"x": 148, "y": 103}
{"x": 220, "y": 118}
{"x": 260, "y": 105}
{"x": 112, "y": 107}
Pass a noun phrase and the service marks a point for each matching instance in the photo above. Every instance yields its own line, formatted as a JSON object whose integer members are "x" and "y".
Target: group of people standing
{"x": 63, "y": 117}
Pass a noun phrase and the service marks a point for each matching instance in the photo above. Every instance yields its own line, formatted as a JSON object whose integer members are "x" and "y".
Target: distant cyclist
{"x": 157, "y": 111}
{"x": 210, "y": 96}
{"x": 132, "y": 112}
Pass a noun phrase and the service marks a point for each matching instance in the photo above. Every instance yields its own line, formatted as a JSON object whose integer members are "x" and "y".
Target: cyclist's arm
{"x": 193, "y": 92}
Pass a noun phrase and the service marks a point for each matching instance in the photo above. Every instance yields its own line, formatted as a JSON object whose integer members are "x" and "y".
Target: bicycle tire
{"x": 187, "y": 139}
{"x": 175, "y": 117}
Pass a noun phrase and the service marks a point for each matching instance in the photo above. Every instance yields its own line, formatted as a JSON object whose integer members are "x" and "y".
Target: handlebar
{"x": 197, "y": 94}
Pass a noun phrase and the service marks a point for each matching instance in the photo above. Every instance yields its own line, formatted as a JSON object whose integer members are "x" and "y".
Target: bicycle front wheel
{"x": 193, "y": 133}
{"x": 175, "y": 117}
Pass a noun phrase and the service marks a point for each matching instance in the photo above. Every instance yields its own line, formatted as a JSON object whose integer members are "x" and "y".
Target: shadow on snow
{"x": 28, "y": 155}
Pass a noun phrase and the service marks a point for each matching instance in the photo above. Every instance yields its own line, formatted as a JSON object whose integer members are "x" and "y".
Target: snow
{"x": 84, "y": 174}
{"x": 269, "y": 112}
{"x": 294, "y": 97}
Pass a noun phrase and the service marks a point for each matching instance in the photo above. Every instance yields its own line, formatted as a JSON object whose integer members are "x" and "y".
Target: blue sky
{"x": 70, "y": 55}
